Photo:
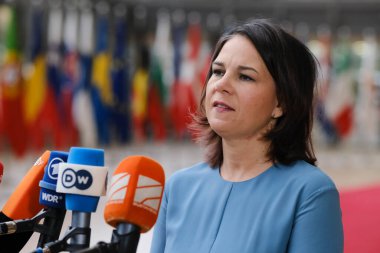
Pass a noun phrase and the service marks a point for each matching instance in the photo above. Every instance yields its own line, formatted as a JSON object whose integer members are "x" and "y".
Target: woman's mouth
{"x": 222, "y": 106}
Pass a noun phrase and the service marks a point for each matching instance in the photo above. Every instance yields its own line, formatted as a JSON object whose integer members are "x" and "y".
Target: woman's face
{"x": 241, "y": 93}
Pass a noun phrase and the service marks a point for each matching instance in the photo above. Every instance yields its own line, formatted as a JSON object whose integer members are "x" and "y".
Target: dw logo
{"x": 81, "y": 179}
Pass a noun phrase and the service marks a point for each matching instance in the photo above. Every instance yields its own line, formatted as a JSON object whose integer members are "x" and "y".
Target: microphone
{"x": 53, "y": 201}
{"x": 47, "y": 197}
{"x": 22, "y": 204}
{"x": 83, "y": 180}
{"x": 133, "y": 202}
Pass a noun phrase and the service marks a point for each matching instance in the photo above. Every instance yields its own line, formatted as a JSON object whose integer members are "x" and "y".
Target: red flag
{"x": 340, "y": 99}
{"x": 184, "y": 89}
{"x": 12, "y": 91}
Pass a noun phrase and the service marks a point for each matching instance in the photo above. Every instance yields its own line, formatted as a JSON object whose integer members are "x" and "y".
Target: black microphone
{"x": 53, "y": 201}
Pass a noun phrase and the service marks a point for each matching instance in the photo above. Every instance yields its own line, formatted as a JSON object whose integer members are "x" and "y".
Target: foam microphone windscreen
{"x": 23, "y": 204}
{"x": 24, "y": 201}
{"x": 135, "y": 193}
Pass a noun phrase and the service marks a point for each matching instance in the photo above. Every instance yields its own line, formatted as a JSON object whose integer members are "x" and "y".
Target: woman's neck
{"x": 244, "y": 159}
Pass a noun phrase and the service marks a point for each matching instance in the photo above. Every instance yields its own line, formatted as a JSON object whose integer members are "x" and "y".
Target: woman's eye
{"x": 246, "y": 78}
{"x": 217, "y": 72}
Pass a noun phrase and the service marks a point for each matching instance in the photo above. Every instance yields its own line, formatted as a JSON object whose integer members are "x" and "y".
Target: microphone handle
{"x": 20, "y": 226}
{"x": 53, "y": 224}
{"x": 127, "y": 235}
{"x": 62, "y": 244}
{"x": 101, "y": 247}
{"x": 81, "y": 220}
{"x": 13, "y": 242}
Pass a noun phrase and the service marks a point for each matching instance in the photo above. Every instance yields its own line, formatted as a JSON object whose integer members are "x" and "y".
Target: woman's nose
{"x": 223, "y": 84}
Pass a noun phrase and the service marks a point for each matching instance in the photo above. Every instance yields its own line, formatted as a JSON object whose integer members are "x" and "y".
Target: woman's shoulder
{"x": 307, "y": 176}
{"x": 189, "y": 178}
{"x": 191, "y": 172}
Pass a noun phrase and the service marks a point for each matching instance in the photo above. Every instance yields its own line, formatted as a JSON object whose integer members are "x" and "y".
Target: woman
{"x": 259, "y": 190}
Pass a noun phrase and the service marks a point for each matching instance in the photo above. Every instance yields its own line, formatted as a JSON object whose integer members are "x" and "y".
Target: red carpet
{"x": 361, "y": 219}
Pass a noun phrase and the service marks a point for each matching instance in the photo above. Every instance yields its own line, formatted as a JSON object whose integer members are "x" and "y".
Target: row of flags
{"x": 86, "y": 76}
{"x": 348, "y": 105}
{"x": 77, "y": 83}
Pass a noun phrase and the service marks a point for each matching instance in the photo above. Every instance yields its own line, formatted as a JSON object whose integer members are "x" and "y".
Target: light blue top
{"x": 285, "y": 209}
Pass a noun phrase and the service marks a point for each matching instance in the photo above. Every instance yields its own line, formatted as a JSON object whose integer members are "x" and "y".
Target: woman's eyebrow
{"x": 241, "y": 67}
{"x": 248, "y": 68}
{"x": 218, "y": 63}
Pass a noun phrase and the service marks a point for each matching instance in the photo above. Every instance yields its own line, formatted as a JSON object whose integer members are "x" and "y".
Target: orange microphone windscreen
{"x": 24, "y": 201}
{"x": 135, "y": 193}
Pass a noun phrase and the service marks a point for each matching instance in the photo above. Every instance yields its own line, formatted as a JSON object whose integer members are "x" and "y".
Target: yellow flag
{"x": 101, "y": 77}
{"x": 35, "y": 89}
{"x": 140, "y": 93}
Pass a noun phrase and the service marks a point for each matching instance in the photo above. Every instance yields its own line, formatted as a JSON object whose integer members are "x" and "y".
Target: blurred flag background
{"x": 117, "y": 72}
{"x": 126, "y": 75}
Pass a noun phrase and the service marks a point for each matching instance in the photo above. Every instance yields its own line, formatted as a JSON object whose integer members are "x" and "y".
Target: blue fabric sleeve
{"x": 318, "y": 224}
{"x": 159, "y": 234}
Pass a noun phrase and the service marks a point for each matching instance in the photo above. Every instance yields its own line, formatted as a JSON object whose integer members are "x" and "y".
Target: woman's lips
{"x": 222, "y": 106}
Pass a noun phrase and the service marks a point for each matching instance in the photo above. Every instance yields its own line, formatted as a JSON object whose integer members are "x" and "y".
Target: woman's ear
{"x": 277, "y": 112}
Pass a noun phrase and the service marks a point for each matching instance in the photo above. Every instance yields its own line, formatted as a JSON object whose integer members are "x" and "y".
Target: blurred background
{"x": 123, "y": 75}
